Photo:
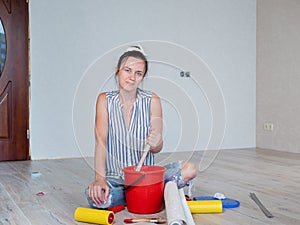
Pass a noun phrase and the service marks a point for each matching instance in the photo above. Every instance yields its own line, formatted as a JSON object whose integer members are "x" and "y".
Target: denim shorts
{"x": 117, "y": 188}
{"x": 173, "y": 173}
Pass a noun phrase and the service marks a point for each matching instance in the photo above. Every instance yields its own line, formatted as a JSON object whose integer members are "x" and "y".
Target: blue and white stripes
{"x": 125, "y": 146}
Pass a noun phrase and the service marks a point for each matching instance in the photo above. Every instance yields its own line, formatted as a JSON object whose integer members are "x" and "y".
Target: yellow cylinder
{"x": 96, "y": 216}
{"x": 205, "y": 206}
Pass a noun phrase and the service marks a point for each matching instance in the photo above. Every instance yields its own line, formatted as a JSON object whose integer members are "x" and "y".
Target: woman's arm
{"x": 155, "y": 135}
{"x": 98, "y": 190}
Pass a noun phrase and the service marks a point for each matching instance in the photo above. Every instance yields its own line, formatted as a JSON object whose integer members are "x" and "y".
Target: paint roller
{"x": 205, "y": 206}
{"x": 96, "y": 216}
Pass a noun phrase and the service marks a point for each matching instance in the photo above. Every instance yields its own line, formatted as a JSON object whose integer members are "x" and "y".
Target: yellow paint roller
{"x": 205, "y": 206}
{"x": 96, "y": 216}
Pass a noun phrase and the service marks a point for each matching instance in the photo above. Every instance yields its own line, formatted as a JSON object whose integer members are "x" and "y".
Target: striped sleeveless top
{"x": 124, "y": 146}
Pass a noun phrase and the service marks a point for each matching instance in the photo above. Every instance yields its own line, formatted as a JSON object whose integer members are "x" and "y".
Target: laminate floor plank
{"x": 273, "y": 175}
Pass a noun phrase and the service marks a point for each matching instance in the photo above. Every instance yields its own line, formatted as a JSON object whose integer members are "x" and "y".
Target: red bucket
{"x": 144, "y": 189}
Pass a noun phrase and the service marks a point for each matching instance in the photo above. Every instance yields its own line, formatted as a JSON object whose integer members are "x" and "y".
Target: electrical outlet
{"x": 269, "y": 126}
{"x": 185, "y": 73}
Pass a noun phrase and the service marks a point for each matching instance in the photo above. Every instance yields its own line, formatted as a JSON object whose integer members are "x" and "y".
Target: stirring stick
{"x": 146, "y": 150}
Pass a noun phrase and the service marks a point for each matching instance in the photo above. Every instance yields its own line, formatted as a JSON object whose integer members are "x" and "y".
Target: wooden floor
{"x": 274, "y": 176}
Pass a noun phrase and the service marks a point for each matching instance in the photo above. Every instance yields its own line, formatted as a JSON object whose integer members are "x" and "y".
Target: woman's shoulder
{"x": 108, "y": 94}
{"x": 101, "y": 97}
{"x": 145, "y": 93}
{"x": 111, "y": 93}
{"x": 149, "y": 94}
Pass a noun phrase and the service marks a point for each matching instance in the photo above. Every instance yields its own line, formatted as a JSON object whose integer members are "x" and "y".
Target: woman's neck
{"x": 127, "y": 98}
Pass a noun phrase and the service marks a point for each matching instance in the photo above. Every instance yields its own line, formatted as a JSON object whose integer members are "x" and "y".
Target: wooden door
{"x": 14, "y": 81}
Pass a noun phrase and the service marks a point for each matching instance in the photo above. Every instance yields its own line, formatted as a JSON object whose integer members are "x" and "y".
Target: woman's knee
{"x": 188, "y": 171}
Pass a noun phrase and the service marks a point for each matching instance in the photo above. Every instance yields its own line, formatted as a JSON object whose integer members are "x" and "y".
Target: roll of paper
{"x": 205, "y": 206}
{"x": 96, "y": 216}
{"x": 177, "y": 210}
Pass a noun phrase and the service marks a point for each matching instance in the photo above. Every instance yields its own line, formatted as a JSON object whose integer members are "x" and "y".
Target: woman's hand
{"x": 154, "y": 140}
{"x": 99, "y": 191}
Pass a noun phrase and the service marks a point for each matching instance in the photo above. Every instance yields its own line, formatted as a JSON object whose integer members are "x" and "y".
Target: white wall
{"x": 278, "y": 69}
{"x": 75, "y": 46}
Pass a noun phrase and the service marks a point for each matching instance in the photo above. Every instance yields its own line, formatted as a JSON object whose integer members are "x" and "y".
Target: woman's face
{"x": 131, "y": 73}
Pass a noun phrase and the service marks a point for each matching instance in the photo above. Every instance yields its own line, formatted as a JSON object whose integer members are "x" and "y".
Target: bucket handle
{"x": 135, "y": 182}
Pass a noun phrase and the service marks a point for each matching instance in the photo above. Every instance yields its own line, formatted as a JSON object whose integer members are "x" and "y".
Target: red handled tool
{"x": 149, "y": 220}
{"x": 117, "y": 208}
